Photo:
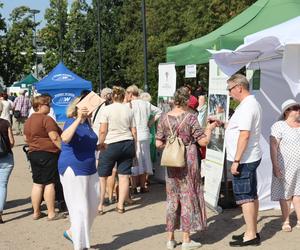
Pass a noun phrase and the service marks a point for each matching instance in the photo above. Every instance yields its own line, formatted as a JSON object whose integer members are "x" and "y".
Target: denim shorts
{"x": 120, "y": 153}
{"x": 245, "y": 183}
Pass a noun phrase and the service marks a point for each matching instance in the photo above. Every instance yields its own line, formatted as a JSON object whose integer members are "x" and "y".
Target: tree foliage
{"x": 17, "y": 45}
{"x": 71, "y": 35}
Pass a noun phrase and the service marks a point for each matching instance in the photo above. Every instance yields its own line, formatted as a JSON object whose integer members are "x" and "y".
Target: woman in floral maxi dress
{"x": 185, "y": 201}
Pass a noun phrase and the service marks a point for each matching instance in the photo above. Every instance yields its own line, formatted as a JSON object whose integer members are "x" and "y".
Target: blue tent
{"x": 63, "y": 85}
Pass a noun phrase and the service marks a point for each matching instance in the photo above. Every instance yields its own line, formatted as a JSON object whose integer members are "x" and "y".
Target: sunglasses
{"x": 294, "y": 108}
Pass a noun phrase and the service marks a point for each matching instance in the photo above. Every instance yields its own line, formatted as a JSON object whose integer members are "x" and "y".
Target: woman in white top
{"x": 142, "y": 111}
{"x": 285, "y": 148}
{"x": 7, "y": 107}
{"x": 117, "y": 146}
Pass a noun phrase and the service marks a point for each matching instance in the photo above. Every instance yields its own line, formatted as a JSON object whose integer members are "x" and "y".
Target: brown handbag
{"x": 174, "y": 152}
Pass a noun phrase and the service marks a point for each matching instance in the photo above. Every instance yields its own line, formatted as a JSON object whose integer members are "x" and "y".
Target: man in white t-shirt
{"x": 244, "y": 156}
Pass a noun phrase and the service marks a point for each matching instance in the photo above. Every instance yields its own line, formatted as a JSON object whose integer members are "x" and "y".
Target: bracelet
{"x": 236, "y": 161}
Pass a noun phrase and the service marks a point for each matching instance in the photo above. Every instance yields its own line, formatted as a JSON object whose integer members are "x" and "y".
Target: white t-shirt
{"x": 247, "y": 116}
{"x": 96, "y": 119}
{"x": 6, "y": 110}
{"x": 141, "y": 112}
{"x": 120, "y": 120}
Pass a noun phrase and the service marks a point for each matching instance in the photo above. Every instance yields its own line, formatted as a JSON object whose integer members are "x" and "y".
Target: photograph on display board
{"x": 165, "y": 103}
{"x": 217, "y": 106}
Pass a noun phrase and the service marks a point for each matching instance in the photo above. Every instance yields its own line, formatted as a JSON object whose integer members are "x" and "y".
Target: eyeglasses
{"x": 229, "y": 89}
{"x": 294, "y": 108}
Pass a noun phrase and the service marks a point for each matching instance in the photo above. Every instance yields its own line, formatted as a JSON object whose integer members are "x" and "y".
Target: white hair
{"x": 146, "y": 96}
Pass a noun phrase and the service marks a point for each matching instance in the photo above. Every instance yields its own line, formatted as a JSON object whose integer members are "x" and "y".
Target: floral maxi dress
{"x": 185, "y": 200}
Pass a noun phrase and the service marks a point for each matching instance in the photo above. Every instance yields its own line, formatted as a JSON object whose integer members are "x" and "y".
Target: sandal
{"x": 298, "y": 224}
{"x": 41, "y": 215}
{"x": 120, "y": 210}
{"x": 100, "y": 212}
{"x": 130, "y": 202}
{"x": 57, "y": 216}
{"x": 286, "y": 227}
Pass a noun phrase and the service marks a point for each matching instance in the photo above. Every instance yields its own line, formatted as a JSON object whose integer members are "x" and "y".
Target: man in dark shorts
{"x": 244, "y": 156}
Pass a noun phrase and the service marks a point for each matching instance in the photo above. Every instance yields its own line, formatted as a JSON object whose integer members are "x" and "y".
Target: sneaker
{"x": 171, "y": 244}
{"x": 190, "y": 245}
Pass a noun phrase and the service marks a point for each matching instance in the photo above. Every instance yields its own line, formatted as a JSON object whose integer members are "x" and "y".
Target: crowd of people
{"x": 78, "y": 165}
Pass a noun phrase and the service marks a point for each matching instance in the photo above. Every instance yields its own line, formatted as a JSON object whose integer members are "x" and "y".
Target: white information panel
{"x": 218, "y": 108}
{"x": 166, "y": 79}
{"x": 190, "y": 71}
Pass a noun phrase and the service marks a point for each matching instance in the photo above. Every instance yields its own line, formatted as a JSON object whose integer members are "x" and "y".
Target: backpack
{"x": 4, "y": 150}
{"x": 174, "y": 152}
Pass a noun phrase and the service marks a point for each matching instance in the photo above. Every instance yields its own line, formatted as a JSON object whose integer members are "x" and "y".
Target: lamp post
{"x": 145, "y": 46}
{"x": 34, "y": 12}
{"x": 61, "y": 53}
{"x": 99, "y": 45}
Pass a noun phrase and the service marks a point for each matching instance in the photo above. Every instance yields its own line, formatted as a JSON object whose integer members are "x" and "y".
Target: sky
{"x": 9, "y": 5}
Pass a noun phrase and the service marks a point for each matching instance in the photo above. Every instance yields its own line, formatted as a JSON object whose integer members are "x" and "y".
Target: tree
{"x": 77, "y": 36}
{"x": 169, "y": 22}
{"x": 18, "y": 51}
{"x": 53, "y": 34}
{"x": 2, "y": 44}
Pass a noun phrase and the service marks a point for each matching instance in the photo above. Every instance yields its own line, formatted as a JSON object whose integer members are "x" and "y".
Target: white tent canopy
{"x": 280, "y": 41}
{"x": 276, "y": 53}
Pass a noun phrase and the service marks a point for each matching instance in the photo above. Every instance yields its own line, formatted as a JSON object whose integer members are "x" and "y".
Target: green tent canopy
{"x": 261, "y": 15}
{"x": 26, "y": 82}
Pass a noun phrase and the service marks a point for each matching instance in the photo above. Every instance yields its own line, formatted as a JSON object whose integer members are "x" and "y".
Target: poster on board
{"x": 166, "y": 79}
{"x": 218, "y": 108}
{"x": 166, "y": 90}
{"x": 190, "y": 71}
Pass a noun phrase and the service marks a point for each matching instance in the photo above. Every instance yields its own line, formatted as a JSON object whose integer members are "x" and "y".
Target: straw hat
{"x": 285, "y": 105}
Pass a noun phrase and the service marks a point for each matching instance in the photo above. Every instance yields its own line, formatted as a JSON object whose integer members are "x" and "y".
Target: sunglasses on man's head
{"x": 294, "y": 108}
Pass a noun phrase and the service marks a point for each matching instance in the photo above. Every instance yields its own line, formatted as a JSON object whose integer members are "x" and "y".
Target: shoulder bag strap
{"x": 179, "y": 126}
{"x": 96, "y": 113}
{"x": 170, "y": 125}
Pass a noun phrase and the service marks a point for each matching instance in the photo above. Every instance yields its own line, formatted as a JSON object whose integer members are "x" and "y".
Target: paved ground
{"x": 141, "y": 227}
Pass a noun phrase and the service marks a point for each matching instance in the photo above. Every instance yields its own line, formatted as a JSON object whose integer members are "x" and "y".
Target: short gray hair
{"x": 239, "y": 79}
{"x": 105, "y": 92}
{"x": 133, "y": 89}
{"x": 145, "y": 96}
{"x": 181, "y": 97}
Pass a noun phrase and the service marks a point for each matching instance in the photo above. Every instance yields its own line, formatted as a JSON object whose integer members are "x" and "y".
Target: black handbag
{"x": 4, "y": 150}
